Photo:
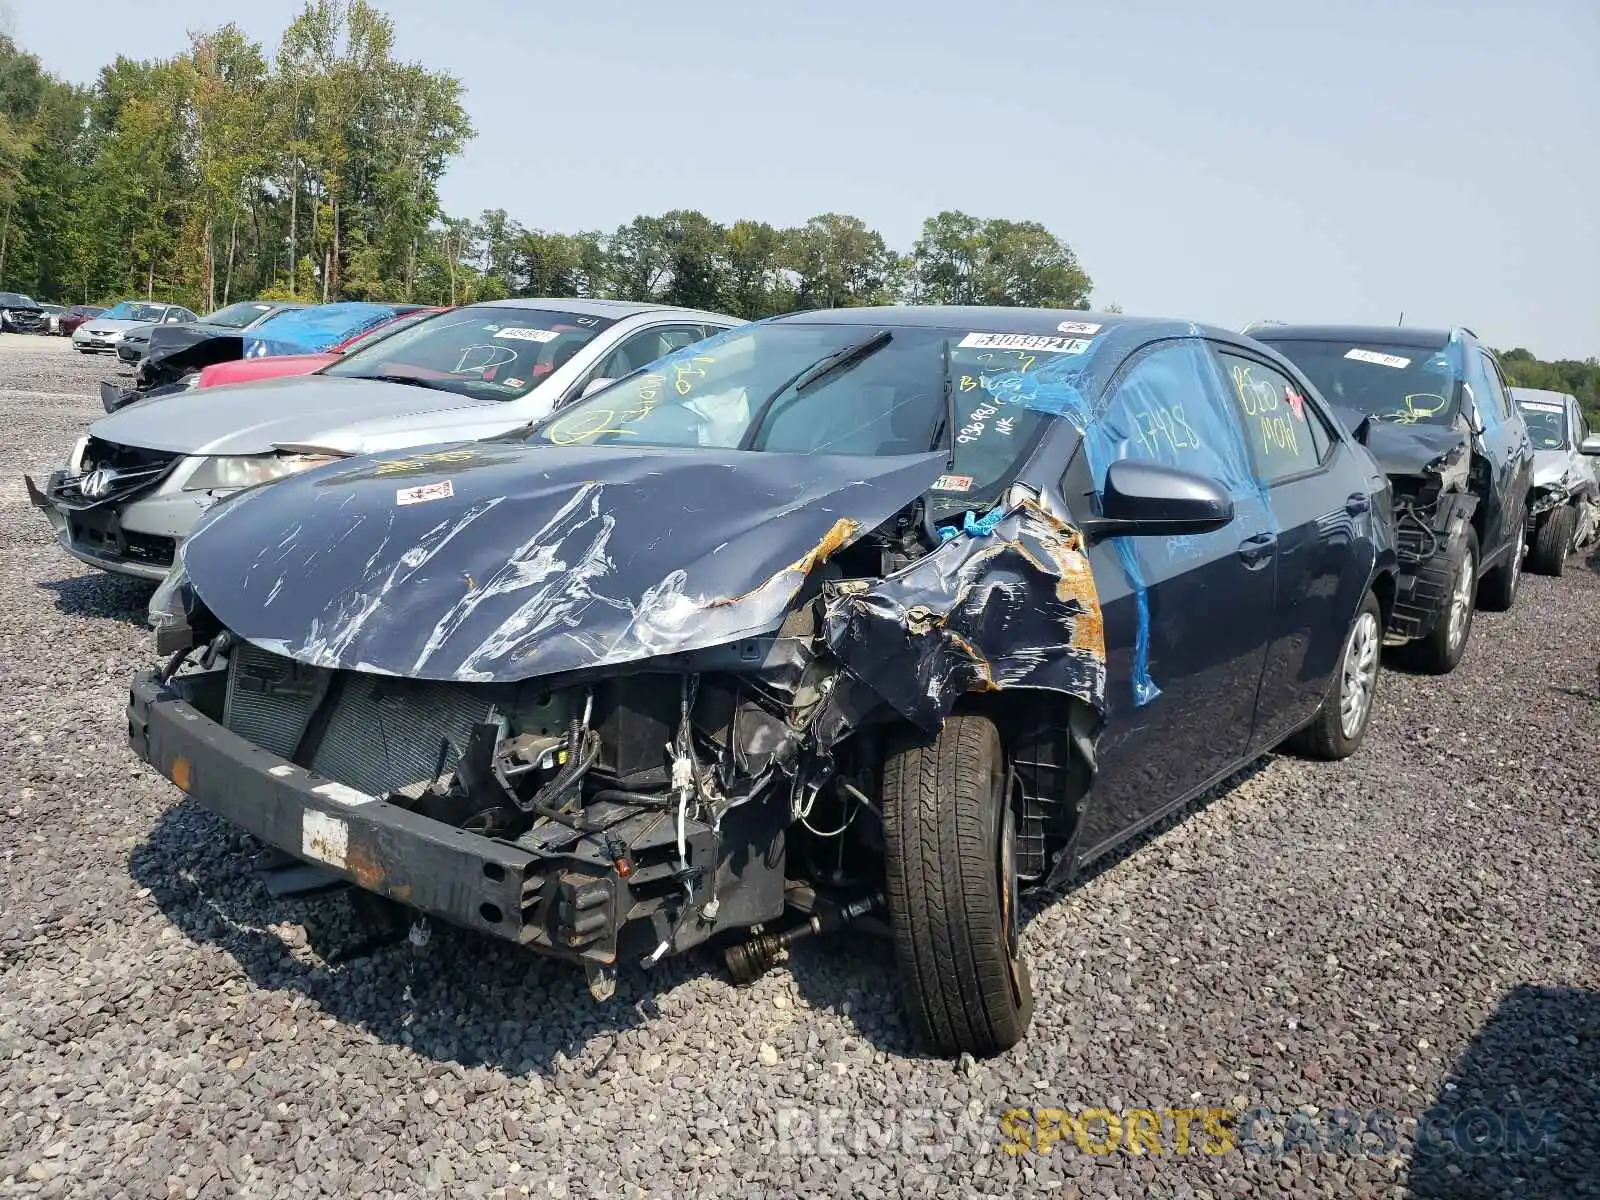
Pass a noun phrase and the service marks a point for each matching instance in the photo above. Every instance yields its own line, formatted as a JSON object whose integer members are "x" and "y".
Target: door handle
{"x": 1255, "y": 551}
{"x": 1358, "y": 502}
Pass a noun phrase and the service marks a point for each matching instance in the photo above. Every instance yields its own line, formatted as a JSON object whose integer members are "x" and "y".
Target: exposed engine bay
{"x": 1437, "y": 483}
{"x": 656, "y": 804}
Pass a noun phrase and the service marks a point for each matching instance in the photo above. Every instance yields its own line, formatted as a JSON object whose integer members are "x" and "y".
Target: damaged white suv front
{"x": 1564, "y": 499}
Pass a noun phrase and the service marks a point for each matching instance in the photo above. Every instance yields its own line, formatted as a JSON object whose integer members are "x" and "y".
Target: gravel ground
{"x": 1415, "y": 930}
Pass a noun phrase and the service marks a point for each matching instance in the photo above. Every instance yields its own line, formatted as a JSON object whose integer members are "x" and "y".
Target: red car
{"x": 249, "y": 370}
{"x": 67, "y": 324}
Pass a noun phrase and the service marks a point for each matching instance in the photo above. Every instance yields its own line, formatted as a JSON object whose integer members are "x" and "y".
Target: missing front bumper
{"x": 568, "y": 900}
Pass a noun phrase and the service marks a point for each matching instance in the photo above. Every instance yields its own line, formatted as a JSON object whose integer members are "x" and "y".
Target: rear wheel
{"x": 1440, "y": 650}
{"x": 1552, "y": 542}
{"x": 951, "y": 868}
{"x": 1499, "y": 590}
{"x": 1341, "y": 723}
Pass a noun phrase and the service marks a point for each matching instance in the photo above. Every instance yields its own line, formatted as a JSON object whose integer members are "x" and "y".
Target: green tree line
{"x": 1580, "y": 379}
{"x": 312, "y": 172}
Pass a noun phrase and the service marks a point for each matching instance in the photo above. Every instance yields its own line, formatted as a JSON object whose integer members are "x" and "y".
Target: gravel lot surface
{"x": 1416, "y": 930}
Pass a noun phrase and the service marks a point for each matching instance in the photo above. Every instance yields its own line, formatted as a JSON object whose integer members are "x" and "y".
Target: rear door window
{"x": 1281, "y": 425}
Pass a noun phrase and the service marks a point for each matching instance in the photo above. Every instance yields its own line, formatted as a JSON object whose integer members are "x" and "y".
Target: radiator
{"x": 382, "y": 734}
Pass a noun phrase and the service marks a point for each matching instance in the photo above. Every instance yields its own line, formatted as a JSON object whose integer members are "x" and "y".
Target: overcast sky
{"x": 1265, "y": 159}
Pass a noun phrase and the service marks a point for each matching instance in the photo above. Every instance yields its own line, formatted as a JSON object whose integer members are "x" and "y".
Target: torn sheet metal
{"x": 619, "y": 556}
{"x": 1010, "y": 605}
{"x": 1137, "y": 414}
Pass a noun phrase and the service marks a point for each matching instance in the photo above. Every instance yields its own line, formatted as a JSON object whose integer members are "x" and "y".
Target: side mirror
{"x": 1590, "y": 445}
{"x": 1145, "y": 498}
{"x": 594, "y": 385}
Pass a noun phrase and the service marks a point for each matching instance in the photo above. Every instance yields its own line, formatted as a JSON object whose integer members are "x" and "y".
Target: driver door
{"x": 1182, "y": 676}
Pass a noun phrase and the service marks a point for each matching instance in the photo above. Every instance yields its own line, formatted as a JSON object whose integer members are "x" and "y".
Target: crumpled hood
{"x": 1404, "y": 449}
{"x": 255, "y": 418}
{"x": 1550, "y": 467}
{"x": 500, "y": 561}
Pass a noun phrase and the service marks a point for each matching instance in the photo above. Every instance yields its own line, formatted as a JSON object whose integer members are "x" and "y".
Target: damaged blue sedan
{"x": 871, "y": 618}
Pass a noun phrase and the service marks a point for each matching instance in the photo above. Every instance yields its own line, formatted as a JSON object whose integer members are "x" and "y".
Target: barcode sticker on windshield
{"x": 1023, "y": 341}
{"x": 519, "y": 333}
{"x": 1383, "y": 360}
{"x": 1541, "y": 406}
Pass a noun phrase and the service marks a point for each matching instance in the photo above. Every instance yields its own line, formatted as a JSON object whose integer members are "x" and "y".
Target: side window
{"x": 1167, "y": 406}
{"x": 645, "y": 347}
{"x": 1285, "y": 435}
{"x": 1497, "y": 386}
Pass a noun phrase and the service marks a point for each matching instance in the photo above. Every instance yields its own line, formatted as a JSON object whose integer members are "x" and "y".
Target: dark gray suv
{"x": 1433, "y": 408}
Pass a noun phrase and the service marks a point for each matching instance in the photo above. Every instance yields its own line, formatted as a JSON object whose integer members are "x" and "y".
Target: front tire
{"x": 1553, "y": 541}
{"x": 1341, "y": 723}
{"x": 1441, "y": 649}
{"x": 951, "y": 868}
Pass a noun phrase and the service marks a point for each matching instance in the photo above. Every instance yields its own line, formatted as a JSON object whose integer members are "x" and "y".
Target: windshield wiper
{"x": 840, "y": 359}
{"x": 408, "y": 380}
{"x": 949, "y": 409}
{"x": 825, "y": 366}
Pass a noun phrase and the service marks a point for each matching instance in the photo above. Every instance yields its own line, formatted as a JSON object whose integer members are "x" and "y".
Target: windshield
{"x": 1404, "y": 384}
{"x": 15, "y": 300}
{"x": 763, "y": 388}
{"x": 237, "y": 316}
{"x": 1547, "y": 424}
{"x": 133, "y": 310}
{"x": 490, "y": 353}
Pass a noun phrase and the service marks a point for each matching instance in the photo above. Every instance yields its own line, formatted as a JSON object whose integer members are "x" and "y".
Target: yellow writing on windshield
{"x": 589, "y": 423}
{"x": 687, "y": 372}
{"x": 1419, "y": 405}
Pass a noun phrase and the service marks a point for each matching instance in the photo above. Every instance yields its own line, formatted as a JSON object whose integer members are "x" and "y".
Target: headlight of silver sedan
{"x": 234, "y": 471}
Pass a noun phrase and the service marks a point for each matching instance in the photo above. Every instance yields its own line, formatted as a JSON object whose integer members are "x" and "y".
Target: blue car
{"x": 876, "y": 615}
{"x": 174, "y": 356}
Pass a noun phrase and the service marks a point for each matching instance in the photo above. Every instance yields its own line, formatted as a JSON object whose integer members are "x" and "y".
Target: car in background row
{"x": 836, "y": 616}
{"x": 20, "y": 314}
{"x": 245, "y": 314}
{"x": 1564, "y": 506}
{"x": 1433, "y": 408}
{"x": 67, "y": 324}
{"x": 179, "y": 353}
{"x": 101, "y": 334}
{"x": 52, "y": 317}
{"x": 134, "y": 486}
{"x": 253, "y": 370}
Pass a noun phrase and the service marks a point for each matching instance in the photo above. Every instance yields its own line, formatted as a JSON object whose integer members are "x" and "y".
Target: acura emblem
{"x": 98, "y": 482}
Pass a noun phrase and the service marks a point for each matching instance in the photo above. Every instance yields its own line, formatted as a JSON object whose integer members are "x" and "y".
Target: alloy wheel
{"x": 1360, "y": 675}
{"x": 1461, "y": 600}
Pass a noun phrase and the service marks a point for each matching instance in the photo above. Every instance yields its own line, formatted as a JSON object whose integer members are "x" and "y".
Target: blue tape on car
{"x": 1140, "y": 417}
{"x": 973, "y": 526}
{"x": 312, "y": 330}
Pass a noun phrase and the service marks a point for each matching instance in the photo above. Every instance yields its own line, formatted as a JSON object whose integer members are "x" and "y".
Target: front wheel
{"x": 1553, "y": 540}
{"x": 1454, "y": 577}
{"x": 1341, "y": 723}
{"x": 951, "y": 869}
